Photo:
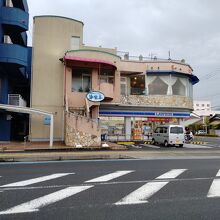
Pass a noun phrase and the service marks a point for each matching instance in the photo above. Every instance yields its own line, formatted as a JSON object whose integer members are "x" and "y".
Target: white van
{"x": 169, "y": 135}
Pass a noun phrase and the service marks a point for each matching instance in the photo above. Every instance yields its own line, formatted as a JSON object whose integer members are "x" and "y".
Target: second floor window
{"x": 81, "y": 80}
{"x": 106, "y": 76}
{"x": 123, "y": 86}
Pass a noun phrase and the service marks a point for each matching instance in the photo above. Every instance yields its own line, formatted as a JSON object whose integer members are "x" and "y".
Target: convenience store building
{"x": 139, "y": 92}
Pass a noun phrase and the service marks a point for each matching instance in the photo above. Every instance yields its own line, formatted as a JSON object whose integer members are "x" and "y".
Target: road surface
{"x": 115, "y": 189}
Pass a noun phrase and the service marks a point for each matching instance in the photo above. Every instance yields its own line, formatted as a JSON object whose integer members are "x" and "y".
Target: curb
{"x": 198, "y": 142}
{"x": 63, "y": 158}
{"x": 49, "y": 150}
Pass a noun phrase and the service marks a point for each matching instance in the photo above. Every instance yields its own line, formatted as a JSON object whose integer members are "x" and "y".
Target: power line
{"x": 213, "y": 95}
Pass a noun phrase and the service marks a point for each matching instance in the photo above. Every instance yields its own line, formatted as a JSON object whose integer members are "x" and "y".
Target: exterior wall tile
{"x": 159, "y": 101}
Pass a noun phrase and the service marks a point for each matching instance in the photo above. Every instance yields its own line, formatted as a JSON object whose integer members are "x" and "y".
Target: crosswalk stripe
{"x": 110, "y": 176}
{"x": 214, "y": 190}
{"x": 142, "y": 194}
{"x": 218, "y": 174}
{"x": 147, "y": 190}
{"x": 34, "y": 205}
{"x": 171, "y": 174}
{"x": 36, "y": 180}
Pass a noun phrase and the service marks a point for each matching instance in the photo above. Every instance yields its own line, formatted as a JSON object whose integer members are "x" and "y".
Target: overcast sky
{"x": 189, "y": 29}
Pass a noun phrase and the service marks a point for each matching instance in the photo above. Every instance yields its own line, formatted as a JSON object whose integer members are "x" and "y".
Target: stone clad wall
{"x": 158, "y": 101}
{"x": 82, "y": 131}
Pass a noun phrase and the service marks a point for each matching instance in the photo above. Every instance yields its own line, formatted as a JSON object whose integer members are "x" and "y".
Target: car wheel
{"x": 166, "y": 144}
{"x": 153, "y": 141}
{"x": 181, "y": 145}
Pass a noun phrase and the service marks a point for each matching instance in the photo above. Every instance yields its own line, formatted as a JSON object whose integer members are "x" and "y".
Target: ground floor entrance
{"x": 13, "y": 126}
{"x": 136, "y": 125}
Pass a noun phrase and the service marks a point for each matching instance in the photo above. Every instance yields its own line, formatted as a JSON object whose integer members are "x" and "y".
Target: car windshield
{"x": 176, "y": 130}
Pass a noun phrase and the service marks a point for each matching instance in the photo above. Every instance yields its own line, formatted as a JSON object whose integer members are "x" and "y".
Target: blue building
{"x": 15, "y": 68}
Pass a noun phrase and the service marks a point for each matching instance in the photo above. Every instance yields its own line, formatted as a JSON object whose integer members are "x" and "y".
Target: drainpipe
{"x": 51, "y": 130}
{"x": 65, "y": 95}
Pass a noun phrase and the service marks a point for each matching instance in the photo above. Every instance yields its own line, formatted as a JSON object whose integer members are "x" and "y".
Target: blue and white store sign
{"x": 145, "y": 114}
{"x": 95, "y": 96}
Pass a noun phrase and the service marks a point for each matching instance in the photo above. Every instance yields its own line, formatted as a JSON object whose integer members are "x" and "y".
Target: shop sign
{"x": 47, "y": 120}
{"x": 163, "y": 114}
{"x": 145, "y": 114}
{"x": 159, "y": 119}
{"x": 95, "y": 96}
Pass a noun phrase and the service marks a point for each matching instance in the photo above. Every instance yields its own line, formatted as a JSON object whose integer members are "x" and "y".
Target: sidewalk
{"x": 17, "y": 152}
{"x": 44, "y": 146}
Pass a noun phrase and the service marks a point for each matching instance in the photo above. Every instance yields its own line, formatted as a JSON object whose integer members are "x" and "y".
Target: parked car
{"x": 169, "y": 135}
{"x": 201, "y": 132}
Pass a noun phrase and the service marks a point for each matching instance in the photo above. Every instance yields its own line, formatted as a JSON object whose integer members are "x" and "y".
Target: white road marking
{"x": 110, "y": 176}
{"x": 141, "y": 194}
{"x": 151, "y": 146}
{"x": 36, "y": 204}
{"x": 218, "y": 174}
{"x": 36, "y": 180}
{"x": 171, "y": 174}
{"x": 214, "y": 190}
{"x": 147, "y": 190}
{"x": 196, "y": 146}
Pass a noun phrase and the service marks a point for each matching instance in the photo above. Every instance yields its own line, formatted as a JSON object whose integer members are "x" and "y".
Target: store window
{"x": 179, "y": 88}
{"x": 81, "y": 80}
{"x": 157, "y": 87}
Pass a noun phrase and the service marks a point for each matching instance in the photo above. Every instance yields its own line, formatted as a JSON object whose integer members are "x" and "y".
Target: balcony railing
{"x": 14, "y": 54}
{"x": 16, "y": 99}
{"x": 15, "y": 17}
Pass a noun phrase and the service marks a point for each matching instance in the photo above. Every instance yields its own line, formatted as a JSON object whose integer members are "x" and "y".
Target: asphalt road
{"x": 120, "y": 189}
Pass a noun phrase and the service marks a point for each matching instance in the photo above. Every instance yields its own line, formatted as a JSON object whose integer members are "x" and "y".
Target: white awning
{"x": 30, "y": 111}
